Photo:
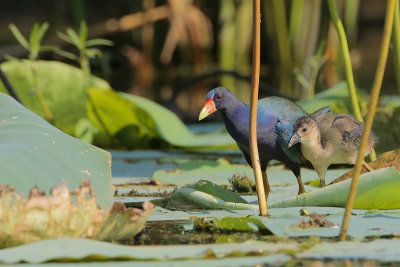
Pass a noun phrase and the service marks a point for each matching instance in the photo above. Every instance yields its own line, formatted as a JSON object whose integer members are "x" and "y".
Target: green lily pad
{"x": 376, "y": 190}
{"x": 35, "y": 153}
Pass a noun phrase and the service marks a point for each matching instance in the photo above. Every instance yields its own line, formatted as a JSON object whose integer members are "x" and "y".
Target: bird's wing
{"x": 284, "y": 130}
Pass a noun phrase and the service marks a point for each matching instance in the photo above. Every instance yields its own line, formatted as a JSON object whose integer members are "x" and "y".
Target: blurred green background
{"x": 174, "y": 51}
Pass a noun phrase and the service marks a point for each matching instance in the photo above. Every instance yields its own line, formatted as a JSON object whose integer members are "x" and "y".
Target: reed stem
{"x": 376, "y": 87}
{"x": 337, "y": 23}
{"x": 262, "y": 201}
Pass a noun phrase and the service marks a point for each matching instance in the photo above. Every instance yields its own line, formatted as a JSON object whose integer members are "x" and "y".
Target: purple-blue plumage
{"x": 275, "y": 119}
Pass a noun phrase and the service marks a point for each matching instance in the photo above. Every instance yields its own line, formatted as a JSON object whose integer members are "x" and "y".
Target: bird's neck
{"x": 236, "y": 119}
{"x": 313, "y": 150}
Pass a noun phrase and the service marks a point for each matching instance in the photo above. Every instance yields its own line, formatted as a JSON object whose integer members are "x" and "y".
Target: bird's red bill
{"x": 208, "y": 109}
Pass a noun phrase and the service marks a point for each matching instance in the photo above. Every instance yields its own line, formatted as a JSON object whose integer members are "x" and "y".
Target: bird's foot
{"x": 368, "y": 167}
{"x": 301, "y": 191}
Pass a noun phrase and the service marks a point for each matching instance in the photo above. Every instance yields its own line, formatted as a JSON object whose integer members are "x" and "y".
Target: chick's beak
{"x": 296, "y": 138}
{"x": 208, "y": 109}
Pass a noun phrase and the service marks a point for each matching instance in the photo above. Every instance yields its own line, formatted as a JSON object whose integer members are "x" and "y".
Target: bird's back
{"x": 342, "y": 133}
{"x": 282, "y": 108}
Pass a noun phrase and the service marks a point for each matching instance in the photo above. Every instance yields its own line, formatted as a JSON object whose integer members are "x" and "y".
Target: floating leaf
{"x": 32, "y": 152}
{"x": 376, "y": 190}
{"x": 68, "y": 249}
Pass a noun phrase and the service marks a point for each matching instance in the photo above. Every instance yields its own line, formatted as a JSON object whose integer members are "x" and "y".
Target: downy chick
{"x": 330, "y": 139}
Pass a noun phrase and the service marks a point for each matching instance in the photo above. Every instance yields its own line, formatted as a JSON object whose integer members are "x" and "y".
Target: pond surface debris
{"x": 316, "y": 220}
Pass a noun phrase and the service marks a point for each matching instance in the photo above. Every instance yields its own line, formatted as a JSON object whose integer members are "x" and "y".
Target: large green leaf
{"x": 171, "y": 128}
{"x": 62, "y": 86}
{"x": 32, "y": 152}
{"x": 121, "y": 123}
{"x": 136, "y": 122}
{"x": 376, "y": 190}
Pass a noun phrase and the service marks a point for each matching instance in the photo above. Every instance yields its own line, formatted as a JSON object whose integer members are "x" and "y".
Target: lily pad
{"x": 88, "y": 250}
{"x": 376, "y": 190}
{"x": 32, "y": 152}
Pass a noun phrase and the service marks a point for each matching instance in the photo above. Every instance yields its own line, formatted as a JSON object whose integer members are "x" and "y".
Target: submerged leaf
{"x": 64, "y": 214}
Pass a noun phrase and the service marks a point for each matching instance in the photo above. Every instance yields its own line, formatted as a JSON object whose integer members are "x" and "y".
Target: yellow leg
{"x": 367, "y": 166}
{"x": 296, "y": 172}
{"x": 267, "y": 189}
{"x": 301, "y": 186}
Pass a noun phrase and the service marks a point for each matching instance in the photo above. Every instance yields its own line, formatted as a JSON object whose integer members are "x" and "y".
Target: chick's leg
{"x": 296, "y": 172}
{"x": 267, "y": 189}
{"x": 321, "y": 171}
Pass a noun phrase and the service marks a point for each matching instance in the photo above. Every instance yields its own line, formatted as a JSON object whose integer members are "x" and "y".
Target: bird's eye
{"x": 304, "y": 129}
{"x": 218, "y": 97}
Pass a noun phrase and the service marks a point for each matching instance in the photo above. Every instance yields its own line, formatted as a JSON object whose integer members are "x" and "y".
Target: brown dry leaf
{"x": 43, "y": 217}
{"x": 387, "y": 159}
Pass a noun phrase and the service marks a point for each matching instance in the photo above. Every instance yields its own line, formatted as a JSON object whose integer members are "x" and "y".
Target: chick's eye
{"x": 218, "y": 97}
{"x": 304, "y": 129}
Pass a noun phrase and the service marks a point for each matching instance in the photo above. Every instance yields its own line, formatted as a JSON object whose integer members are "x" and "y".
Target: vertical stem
{"x": 262, "y": 202}
{"x": 285, "y": 55}
{"x": 350, "y": 19}
{"x": 39, "y": 93}
{"x": 346, "y": 58}
{"x": 296, "y": 17}
{"x": 347, "y": 64}
{"x": 85, "y": 69}
{"x": 387, "y": 30}
{"x": 396, "y": 43}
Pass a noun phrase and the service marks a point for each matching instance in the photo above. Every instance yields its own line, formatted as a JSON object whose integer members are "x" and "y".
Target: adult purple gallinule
{"x": 330, "y": 138}
{"x": 275, "y": 119}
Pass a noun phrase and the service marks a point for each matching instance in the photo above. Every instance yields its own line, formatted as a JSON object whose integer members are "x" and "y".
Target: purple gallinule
{"x": 330, "y": 138}
{"x": 275, "y": 119}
